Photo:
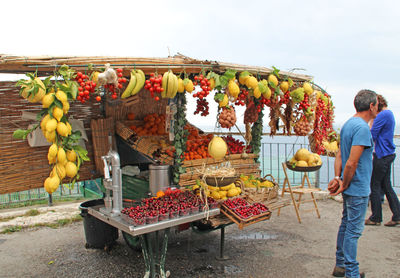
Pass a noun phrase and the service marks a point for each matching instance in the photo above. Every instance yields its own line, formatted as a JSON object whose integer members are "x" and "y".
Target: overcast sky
{"x": 345, "y": 45}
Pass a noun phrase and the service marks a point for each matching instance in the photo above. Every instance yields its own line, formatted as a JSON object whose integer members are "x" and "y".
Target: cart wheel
{"x": 132, "y": 241}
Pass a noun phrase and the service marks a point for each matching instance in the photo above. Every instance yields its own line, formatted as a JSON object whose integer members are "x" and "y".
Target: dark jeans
{"x": 380, "y": 182}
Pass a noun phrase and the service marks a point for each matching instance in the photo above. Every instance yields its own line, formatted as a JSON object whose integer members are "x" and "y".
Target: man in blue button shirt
{"x": 353, "y": 169}
{"x": 385, "y": 152}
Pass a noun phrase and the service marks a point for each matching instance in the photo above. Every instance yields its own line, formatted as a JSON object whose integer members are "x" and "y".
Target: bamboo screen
{"x": 21, "y": 166}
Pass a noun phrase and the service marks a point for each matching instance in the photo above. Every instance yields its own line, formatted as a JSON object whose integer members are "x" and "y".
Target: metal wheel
{"x": 132, "y": 241}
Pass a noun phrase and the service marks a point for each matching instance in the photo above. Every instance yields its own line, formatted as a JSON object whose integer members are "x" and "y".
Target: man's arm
{"x": 350, "y": 168}
{"x": 333, "y": 185}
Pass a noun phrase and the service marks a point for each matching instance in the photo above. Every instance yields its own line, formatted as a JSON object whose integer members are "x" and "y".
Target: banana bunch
{"x": 169, "y": 84}
{"x": 224, "y": 192}
{"x": 135, "y": 84}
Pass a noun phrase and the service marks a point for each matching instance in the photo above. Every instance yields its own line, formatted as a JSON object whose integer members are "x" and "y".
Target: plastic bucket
{"x": 98, "y": 234}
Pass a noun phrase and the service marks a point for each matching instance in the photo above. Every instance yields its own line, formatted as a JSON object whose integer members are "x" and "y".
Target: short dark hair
{"x": 381, "y": 103}
{"x": 363, "y": 100}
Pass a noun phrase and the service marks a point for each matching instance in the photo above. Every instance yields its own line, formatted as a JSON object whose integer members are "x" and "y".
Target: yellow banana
{"x": 175, "y": 87}
{"x": 164, "y": 84}
{"x": 139, "y": 83}
{"x": 212, "y": 188}
{"x": 170, "y": 84}
{"x": 131, "y": 85}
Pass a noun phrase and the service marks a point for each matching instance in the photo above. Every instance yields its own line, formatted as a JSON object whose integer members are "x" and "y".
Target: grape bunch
{"x": 202, "y": 107}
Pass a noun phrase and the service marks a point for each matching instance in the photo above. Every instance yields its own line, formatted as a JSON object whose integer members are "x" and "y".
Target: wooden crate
{"x": 244, "y": 222}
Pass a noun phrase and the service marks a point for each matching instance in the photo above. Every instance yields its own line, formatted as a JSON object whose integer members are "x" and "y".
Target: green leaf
{"x": 224, "y": 81}
{"x": 230, "y": 74}
{"x": 290, "y": 82}
{"x": 21, "y": 133}
{"x": 219, "y": 97}
{"x": 74, "y": 89}
{"x": 58, "y": 103}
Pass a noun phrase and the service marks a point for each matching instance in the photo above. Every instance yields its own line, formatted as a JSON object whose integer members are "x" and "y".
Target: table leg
{"x": 221, "y": 256}
{"x": 156, "y": 257}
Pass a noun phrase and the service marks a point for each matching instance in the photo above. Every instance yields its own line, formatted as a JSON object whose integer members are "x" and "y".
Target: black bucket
{"x": 98, "y": 233}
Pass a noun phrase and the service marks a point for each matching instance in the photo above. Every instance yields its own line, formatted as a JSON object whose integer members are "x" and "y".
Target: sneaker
{"x": 339, "y": 271}
{"x": 372, "y": 223}
{"x": 392, "y": 223}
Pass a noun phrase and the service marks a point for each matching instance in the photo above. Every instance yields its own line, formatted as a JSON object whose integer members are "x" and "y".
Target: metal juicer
{"x": 113, "y": 205}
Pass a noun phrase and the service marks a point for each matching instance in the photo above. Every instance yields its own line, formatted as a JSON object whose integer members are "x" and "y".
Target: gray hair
{"x": 363, "y": 100}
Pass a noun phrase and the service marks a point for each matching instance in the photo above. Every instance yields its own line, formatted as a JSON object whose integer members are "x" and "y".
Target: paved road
{"x": 279, "y": 248}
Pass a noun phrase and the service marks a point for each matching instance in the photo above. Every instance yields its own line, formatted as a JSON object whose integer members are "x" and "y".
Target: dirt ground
{"x": 279, "y": 247}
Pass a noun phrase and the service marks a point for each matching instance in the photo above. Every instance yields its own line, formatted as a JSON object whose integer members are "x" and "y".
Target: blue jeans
{"x": 354, "y": 210}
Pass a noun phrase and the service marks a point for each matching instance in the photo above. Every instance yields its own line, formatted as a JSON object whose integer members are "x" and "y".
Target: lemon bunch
{"x": 51, "y": 124}
{"x": 224, "y": 192}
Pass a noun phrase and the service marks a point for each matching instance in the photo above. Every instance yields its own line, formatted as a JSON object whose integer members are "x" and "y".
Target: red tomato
{"x": 98, "y": 98}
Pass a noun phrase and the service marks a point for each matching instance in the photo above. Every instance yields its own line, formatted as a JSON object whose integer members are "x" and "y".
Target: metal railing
{"x": 273, "y": 154}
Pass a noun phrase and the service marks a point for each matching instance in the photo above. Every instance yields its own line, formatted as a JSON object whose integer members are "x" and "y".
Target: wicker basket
{"x": 260, "y": 194}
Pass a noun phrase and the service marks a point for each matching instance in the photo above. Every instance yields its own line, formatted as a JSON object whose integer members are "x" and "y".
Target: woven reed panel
{"x": 21, "y": 166}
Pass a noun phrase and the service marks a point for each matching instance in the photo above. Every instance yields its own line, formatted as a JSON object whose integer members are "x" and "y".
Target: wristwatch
{"x": 337, "y": 178}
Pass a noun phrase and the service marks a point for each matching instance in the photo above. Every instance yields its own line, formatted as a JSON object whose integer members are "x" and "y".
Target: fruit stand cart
{"x": 141, "y": 103}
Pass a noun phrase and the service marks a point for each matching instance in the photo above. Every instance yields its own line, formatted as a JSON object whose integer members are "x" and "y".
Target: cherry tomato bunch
{"x": 112, "y": 88}
{"x": 240, "y": 100}
{"x": 86, "y": 86}
{"x": 264, "y": 101}
{"x": 303, "y": 105}
{"x": 204, "y": 85}
{"x": 202, "y": 107}
{"x": 153, "y": 84}
{"x": 285, "y": 98}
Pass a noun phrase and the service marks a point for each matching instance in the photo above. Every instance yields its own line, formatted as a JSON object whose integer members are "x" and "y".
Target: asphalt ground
{"x": 279, "y": 247}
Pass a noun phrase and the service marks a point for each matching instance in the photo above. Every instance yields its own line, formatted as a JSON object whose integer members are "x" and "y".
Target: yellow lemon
{"x": 284, "y": 86}
{"x": 41, "y": 91}
{"x": 61, "y": 96}
{"x": 189, "y": 87}
{"x": 71, "y": 155}
{"x": 307, "y": 88}
{"x": 272, "y": 78}
{"x": 69, "y": 128}
{"x": 44, "y": 122}
{"x": 47, "y": 100}
{"x": 47, "y": 185}
{"x": 65, "y": 107}
{"x": 50, "y": 136}
{"x": 54, "y": 182}
{"x": 51, "y": 160}
{"x": 57, "y": 113}
{"x": 53, "y": 150}
{"x": 61, "y": 156}
{"x": 224, "y": 102}
{"x": 212, "y": 84}
{"x": 257, "y": 92}
{"x": 233, "y": 89}
{"x": 251, "y": 82}
{"x": 62, "y": 129}
{"x": 51, "y": 125}
{"x": 267, "y": 93}
{"x": 71, "y": 169}
{"x": 181, "y": 87}
{"x": 59, "y": 170}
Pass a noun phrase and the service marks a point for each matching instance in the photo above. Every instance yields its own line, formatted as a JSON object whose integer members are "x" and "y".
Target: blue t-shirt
{"x": 382, "y": 133}
{"x": 356, "y": 132}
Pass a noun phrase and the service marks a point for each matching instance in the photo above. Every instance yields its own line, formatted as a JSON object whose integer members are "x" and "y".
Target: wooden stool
{"x": 300, "y": 190}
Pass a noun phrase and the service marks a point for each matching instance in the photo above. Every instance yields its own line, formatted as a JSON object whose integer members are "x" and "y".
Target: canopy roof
{"x": 177, "y": 63}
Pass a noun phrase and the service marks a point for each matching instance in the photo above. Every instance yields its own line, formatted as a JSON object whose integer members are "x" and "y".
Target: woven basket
{"x": 260, "y": 194}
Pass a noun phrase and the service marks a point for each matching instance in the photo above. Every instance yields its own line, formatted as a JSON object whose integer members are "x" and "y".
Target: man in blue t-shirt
{"x": 353, "y": 168}
{"x": 385, "y": 152}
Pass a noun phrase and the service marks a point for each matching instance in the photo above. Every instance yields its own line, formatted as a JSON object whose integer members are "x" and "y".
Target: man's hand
{"x": 336, "y": 187}
{"x": 333, "y": 185}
